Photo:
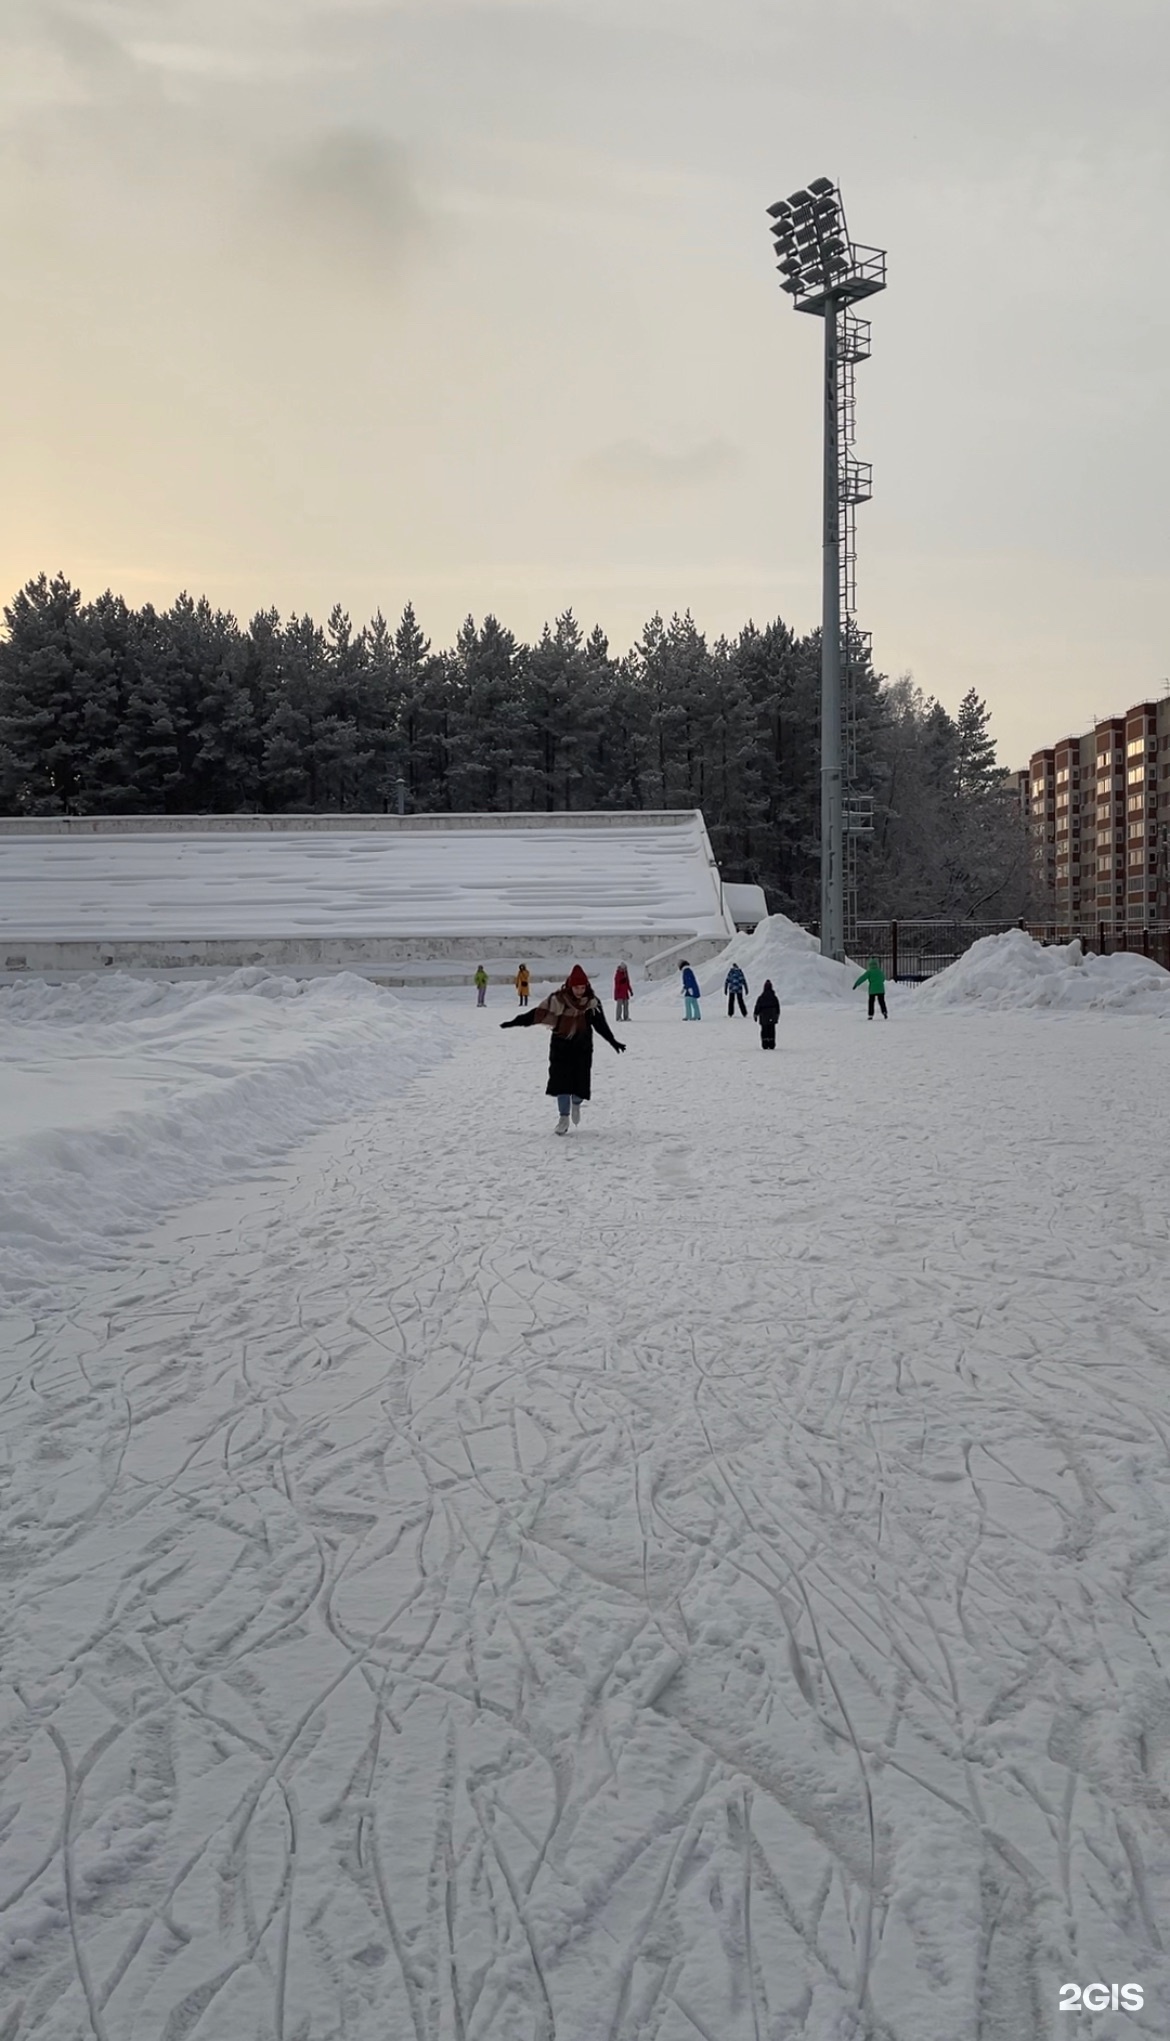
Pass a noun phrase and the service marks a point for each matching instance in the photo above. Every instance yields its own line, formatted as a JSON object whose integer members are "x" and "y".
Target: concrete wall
{"x": 416, "y": 960}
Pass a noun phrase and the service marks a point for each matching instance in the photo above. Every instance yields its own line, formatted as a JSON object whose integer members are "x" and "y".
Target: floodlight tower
{"x": 826, "y": 273}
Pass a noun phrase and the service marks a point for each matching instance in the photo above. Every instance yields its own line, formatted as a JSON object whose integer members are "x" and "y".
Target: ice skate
{"x": 562, "y": 1126}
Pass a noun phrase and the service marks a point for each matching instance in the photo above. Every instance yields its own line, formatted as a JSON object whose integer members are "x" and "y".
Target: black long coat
{"x": 570, "y": 1057}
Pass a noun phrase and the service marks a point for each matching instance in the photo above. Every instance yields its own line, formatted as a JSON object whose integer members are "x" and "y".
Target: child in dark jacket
{"x": 735, "y": 985}
{"x": 691, "y": 994}
{"x": 767, "y": 1012}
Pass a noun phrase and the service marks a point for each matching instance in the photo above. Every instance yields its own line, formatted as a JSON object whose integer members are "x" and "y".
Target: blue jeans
{"x": 565, "y": 1099}
{"x": 691, "y": 1007}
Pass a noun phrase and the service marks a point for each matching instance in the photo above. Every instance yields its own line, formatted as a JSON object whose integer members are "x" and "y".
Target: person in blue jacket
{"x": 690, "y": 986}
{"x": 735, "y": 985}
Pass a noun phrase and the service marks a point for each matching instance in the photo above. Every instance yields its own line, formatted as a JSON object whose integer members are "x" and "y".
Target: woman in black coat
{"x": 574, "y": 1015}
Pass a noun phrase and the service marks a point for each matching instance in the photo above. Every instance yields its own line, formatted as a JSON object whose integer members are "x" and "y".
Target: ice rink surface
{"x": 708, "y": 1576}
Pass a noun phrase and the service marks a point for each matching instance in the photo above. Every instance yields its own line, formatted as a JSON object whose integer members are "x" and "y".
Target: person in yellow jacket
{"x": 522, "y": 984}
{"x": 481, "y": 985}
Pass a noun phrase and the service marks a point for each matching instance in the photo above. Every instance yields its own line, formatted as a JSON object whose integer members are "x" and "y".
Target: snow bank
{"x": 121, "y": 1098}
{"x": 781, "y": 950}
{"x": 1011, "y": 971}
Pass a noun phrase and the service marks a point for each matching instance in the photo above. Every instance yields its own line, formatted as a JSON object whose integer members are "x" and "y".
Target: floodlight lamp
{"x": 798, "y": 198}
{"x": 778, "y": 211}
{"x": 820, "y": 185}
{"x": 792, "y": 267}
{"x": 792, "y": 285}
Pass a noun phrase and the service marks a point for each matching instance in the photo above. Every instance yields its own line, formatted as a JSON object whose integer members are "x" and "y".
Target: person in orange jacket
{"x": 521, "y": 983}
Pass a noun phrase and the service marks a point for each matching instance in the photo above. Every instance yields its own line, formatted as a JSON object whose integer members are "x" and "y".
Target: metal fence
{"x": 910, "y": 951}
{"x": 1151, "y": 940}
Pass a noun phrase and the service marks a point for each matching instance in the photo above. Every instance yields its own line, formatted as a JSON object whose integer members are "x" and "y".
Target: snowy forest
{"x": 105, "y": 709}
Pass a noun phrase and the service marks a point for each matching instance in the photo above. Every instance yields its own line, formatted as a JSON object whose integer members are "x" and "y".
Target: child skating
{"x": 690, "y": 991}
{"x": 574, "y": 1014}
{"x": 623, "y": 992}
{"x": 735, "y": 985}
{"x": 481, "y": 986}
{"x": 766, "y": 1012}
{"x": 522, "y": 982}
{"x": 875, "y": 978}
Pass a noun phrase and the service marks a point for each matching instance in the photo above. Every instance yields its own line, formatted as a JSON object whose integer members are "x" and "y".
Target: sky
{"x": 472, "y": 303}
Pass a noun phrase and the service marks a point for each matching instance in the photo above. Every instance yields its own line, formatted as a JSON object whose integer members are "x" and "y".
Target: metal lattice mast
{"x": 825, "y": 273}
{"x": 856, "y": 486}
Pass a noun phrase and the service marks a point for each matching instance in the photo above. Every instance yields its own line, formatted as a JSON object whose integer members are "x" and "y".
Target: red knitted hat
{"x": 577, "y": 978}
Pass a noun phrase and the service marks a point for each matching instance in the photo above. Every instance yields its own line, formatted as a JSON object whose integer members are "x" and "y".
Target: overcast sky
{"x": 472, "y": 303}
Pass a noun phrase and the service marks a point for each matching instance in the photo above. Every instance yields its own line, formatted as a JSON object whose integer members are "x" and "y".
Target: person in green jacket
{"x": 481, "y": 985}
{"x": 875, "y": 978}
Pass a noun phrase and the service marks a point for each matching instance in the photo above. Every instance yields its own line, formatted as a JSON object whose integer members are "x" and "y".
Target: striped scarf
{"x": 568, "y": 1010}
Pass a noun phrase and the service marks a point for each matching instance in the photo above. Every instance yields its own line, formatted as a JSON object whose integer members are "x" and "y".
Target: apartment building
{"x": 1098, "y": 809}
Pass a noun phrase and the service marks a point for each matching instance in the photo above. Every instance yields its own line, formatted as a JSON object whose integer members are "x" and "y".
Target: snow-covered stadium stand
{"x": 414, "y": 898}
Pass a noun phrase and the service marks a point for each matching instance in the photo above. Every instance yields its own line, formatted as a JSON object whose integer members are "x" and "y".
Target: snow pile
{"x": 781, "y": 950}
{"x": 1011, "y": 971}
{"x": 121, "y": 1098}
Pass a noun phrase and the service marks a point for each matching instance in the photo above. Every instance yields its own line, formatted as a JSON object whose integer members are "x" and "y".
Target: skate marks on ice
{"x": 443, "y": 1604}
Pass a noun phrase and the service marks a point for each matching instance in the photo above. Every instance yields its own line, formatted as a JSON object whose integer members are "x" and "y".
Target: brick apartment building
{"x": 1098, "y": 814}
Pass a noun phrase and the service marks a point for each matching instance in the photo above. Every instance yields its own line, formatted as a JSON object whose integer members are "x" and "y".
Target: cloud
{"x": 634, "y": 466}
{"x": 349, "y": 198}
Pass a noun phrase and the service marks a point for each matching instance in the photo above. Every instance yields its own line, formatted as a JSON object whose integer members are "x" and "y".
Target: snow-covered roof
{"x": 381, "y": 876}
{"x": 745, "y": 904}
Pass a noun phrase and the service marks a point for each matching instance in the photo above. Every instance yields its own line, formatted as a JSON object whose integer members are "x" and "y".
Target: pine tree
{"x": 44, "y": 695}
{"x": 976, "y": 768}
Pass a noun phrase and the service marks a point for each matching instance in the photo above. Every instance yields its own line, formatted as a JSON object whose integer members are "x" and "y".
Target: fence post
{"x": 1100, "y": 938}
{"x": 894, "y": 951}
{"x": 1124, "y": 934}
{"x": 1145, "y": 940}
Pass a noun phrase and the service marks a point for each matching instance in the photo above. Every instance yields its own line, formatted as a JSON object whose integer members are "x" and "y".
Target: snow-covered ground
{"x": 123, "y": 1097}
{"x": 708, "y": 1576}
